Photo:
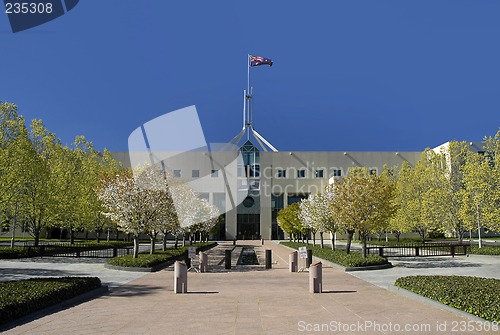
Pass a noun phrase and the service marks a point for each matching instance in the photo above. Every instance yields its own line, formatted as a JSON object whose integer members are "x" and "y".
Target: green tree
{"x": 15, "y": 154}
{"x": 363, "y": 201}
{"x": 418, "y": 194}
{"x": 289, "y": 220}
{"x": 38, "y": 202}
{"x": 481, "y": 196}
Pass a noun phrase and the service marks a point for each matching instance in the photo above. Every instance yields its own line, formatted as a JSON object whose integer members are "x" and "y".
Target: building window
{"x": 337, "y": 173}
{"x": 215, "y": 173}
{"x": 301, "y": 173}
{"x": 177, "y": 173}
{"x": 319, "y": 173}
{"x": 195, "y": 173}
{"x": 281, "y": 173}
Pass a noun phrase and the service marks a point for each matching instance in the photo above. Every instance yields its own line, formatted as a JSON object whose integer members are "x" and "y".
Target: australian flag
{"x": 256, "y": 61}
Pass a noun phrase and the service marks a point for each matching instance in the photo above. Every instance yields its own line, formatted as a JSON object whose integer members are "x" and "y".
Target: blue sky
{"x": 348, "y": 75}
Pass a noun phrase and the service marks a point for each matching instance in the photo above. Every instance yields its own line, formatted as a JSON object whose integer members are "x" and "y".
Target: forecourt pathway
{"x": 251, "y": 300}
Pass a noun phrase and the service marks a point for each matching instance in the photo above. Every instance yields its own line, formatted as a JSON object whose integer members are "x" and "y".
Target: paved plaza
{"x": 252, "y": 300}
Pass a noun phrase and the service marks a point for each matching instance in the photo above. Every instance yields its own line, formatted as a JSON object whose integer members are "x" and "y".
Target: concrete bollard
{"x": 180, "y": 277}
{"x": 316, "y": 278}
{"x": 203, "y": 262}
{"x": 268, "y": 259}
{"x": 309, "y": 259}
{"x": 293, "y": 262}
{"x": 227, "y": 259}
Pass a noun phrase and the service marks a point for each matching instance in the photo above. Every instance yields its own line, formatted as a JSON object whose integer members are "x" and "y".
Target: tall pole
{"x": 248, "y": 74}
{"x": 248, "y": 96}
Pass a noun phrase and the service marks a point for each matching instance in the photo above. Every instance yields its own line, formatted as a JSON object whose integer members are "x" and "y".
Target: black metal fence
{"x": 76, "y": 250}
{"x": 420, "y": 249}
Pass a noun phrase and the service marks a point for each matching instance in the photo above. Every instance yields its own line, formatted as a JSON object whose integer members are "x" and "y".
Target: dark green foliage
{"x": 484, "y": 250}
{"x": 17, "y": 252}
{"x": 474, "y": 295}
{"x": 19, "y": 298}
{"x": 145, "y": 260}
{"x": 353, "y": 259}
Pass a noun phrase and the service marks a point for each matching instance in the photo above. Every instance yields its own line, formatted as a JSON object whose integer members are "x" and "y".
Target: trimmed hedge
{"x": 20, "y": 298}
{"x": 354, "y": 259}
{"x": 146, "y": 260}
{"x": 474, "y": 295}
{"x": 484, "y": 250}
{"x": 17, "y": 252}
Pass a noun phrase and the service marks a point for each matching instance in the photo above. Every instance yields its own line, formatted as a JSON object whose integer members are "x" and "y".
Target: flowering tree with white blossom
{"x": 316, "y": 214}
{"x": 138, "y": 202}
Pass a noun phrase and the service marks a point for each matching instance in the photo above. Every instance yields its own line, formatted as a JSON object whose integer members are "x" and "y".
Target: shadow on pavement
{"x": 59, "y": 260}
{"x": 135, "y": 290}
{"x": 430, "y": 263}
{"x": 17, "y": 274}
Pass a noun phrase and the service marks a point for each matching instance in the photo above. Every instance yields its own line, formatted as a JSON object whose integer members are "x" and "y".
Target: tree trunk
{"x": 333, "y": 239}
{"x": 321, "y": 239}
{"x": 13, "y": 238}
{"x": 363, "y": 243}
{"x": 151, "y": 244}
{"x": 176, "y": 241}
{"x": 71, "y": 236}
{"x": 165, "y": 235}
{"x": 350, "y": 233}
{"x": 422, "y": 234}
{"x": 397, "y": 234}
{"x": 136, "y": 246}
{"x": 183, "y": 240}
{"x": 36, "y": 233}
{"x": 314, "y": 237}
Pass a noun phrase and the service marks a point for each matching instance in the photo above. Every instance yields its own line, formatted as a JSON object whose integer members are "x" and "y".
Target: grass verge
{"x": 20, "y": 298}
{"x": 145, "y": 260}
{"x": 354, "y": 259}
{"x": 474, "y": 295}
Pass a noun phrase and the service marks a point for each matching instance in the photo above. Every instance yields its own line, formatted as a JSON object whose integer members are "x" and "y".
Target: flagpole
{"x": 248, "y": 97}
{"x": 248, "y": 74}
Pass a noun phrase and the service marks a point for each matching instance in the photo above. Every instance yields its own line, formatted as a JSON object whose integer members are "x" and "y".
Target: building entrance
{"x": 248, "y": 227}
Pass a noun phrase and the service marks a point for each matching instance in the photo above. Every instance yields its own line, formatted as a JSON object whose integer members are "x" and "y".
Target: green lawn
{"x": 474, "y": 295}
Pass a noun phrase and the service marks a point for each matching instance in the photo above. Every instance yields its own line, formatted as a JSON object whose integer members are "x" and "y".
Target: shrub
{"x": 19, "y": 298}
{"x": 18, "y": 252}
{"x": 145, "y": 260}
{"x": 485, "y": 250}
{"x": 354, "y": 259}
{"x": 474, "y": 295}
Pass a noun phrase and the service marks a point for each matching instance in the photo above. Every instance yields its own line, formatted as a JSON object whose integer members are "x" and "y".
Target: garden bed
{"x": 157, "y": 261}
{"x": 352, "y": 260}
{"x": 20, "y": 298}
{"x": 474, "y": 295}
